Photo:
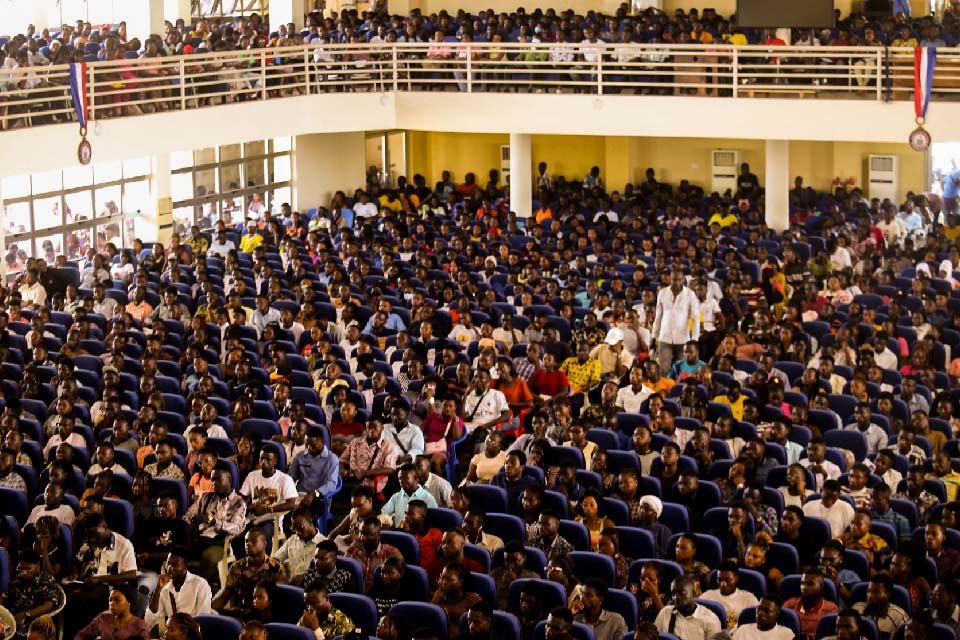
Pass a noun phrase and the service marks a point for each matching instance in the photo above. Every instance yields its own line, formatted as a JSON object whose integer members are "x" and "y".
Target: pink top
{"x": 102, "y": 627}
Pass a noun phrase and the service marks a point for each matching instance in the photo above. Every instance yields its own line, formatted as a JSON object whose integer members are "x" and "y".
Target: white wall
{"x": 757, "y": 119}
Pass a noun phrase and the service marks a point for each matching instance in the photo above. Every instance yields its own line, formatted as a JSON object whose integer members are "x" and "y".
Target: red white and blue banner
{"x": 924, "y": 63}
{"x": 78, "y": 91}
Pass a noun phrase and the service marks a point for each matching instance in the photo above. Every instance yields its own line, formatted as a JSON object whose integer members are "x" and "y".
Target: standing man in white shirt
{"x": 677, "y": 320}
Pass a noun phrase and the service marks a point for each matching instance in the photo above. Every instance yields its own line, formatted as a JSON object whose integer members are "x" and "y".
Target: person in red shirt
{"x": 810, "y": 605}
{"x": 548, "y": 381}
{"x": 430, "y": 538}
{"x": 451, "y": 552}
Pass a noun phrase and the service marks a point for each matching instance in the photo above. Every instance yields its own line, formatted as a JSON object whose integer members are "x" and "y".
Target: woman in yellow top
{"x": 484, "y": 466}
{"x": 593, "y": 517}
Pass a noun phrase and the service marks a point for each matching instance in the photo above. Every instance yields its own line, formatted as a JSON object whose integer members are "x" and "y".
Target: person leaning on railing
{"x": 438, "y": 53}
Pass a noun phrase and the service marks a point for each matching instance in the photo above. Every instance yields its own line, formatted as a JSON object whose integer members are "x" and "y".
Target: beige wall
{"x": 625, "y": 159}
{"x": 324, "y": 163}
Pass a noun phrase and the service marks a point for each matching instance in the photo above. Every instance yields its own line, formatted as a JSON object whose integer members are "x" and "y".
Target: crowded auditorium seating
{"x": 133, "y": 74}
{"x": 639, "y": 413}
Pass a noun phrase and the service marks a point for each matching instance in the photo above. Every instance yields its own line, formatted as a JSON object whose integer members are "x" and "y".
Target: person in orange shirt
{"x": 518, "y": 394}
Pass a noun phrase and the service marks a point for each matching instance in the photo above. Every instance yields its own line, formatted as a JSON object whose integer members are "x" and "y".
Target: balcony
{"x": 139, "y": 106}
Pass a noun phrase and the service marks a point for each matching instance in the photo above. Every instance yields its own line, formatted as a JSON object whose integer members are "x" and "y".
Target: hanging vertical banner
{"x": 78, "y": 92}
{"x": 924, "y": 64}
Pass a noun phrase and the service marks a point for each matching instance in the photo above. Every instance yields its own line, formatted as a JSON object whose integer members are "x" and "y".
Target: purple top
{"x": 102, "y": 627}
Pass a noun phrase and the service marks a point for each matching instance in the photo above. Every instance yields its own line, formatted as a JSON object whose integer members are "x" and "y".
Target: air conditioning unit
{"x": 724, "y": 168}
{"x": 504, "y": 163}
{"x": 883, "y": 177}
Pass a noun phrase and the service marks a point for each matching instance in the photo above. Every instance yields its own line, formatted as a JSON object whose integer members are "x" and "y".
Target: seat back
{"x": 411, "y": 616}
{"x": 358, "y": 607}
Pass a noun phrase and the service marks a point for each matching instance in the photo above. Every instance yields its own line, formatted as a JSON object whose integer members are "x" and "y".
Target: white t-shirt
{"x": 631, "y": 401}
{"x": 277, "y": 488}
{"x": 733, "y": 603}
{"x": 64, "y": 514}
{"x": 750, "y": 632}
{"x": 840, "y": 515}
{"x": 483, "y": 408}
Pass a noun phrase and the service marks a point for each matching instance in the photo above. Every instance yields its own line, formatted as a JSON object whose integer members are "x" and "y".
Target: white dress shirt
{"x": 700, "y": 625}
{"x": 440, "y": 489}
{"x": 751, "y": 632}
{"x": 631, "y": 400}
{"x": 672, "y": 324}
{"x": 833, "y": 472}
{"x": 192, "y": 598}
{"x": 408, "y": 441}
{"x": 876, "y": 437}
{"x": 297, "y": 553}
{"x": 840, "y": 515}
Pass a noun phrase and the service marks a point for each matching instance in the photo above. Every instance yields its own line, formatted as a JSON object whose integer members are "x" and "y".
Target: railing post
{"x": 735, "y": 60}
{"x": 306, "y": 70}
{"x": 600, "y": 73}
{"x": 396, "y": 70}
{"x": 183, "y": 85}
{"x": 878, "y": 73}
{"x": 91, "y": 94}
{"x": 469, "y": 69}
{"x": 263, "y": 74}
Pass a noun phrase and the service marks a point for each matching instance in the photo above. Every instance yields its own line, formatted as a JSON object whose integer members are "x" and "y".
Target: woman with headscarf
{"x": 650, "y": 509}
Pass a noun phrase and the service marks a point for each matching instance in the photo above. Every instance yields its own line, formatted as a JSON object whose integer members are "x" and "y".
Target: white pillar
{"x": 174, "y": 9}
{"x": 144, "y": 17}
{"x": 156, "y": 224}
{"x": 284, "y": 11}
{"x": 521, "y": 175}
{"x": 325, "y": 163}
{"x": 777, "y": 188}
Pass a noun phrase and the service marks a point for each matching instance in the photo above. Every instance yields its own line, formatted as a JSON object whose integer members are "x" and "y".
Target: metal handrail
{"x": 39, "y": 95}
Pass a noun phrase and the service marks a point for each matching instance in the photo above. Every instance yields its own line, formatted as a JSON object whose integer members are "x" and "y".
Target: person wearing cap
{"x": 32, "y": 592}
{"x": 614, "y": 360}
{"x": 251, "y": 239}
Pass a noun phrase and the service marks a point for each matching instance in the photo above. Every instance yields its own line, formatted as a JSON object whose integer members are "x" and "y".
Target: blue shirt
{"x": 315, "y": 472}
{"x": 898, "y": 521}
{"x": 397, "y": 504}
{"x": 683, "y": 369}
{"x": 394, "y": 323}
{"x": 950, "y": 187}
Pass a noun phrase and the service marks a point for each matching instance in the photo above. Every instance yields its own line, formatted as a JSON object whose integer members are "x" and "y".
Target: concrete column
{"x": 156, "y": 224}
{"x": 521, "y": 174}
{"x": 284, "y": 11}
{"x": 324, "y": 163}
{"x": 777, "y": 187}
{"x": 174, "y": 9}
{"x": 144, "y": 17}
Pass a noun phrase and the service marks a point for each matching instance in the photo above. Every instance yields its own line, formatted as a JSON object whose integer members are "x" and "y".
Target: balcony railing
{"x": 40, "y": 95}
